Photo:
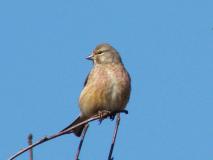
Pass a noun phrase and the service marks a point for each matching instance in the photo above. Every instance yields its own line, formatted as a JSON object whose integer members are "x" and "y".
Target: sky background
{"x": 167, "y": 47}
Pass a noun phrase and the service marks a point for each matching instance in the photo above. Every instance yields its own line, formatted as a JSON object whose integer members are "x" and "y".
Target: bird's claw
{"x": 124, "y": 111}
{"x": 102, "y": 114}
{"x": 112, "y": 116}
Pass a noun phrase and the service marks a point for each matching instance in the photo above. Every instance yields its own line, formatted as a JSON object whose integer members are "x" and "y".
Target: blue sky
{"x": 167, "y": 47}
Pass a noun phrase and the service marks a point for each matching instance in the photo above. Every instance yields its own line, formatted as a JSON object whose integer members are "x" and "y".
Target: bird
{"x": 107, "y": 87}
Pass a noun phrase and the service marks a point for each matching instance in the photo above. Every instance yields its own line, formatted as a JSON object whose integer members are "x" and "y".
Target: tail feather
{"x": 77, "y": 131}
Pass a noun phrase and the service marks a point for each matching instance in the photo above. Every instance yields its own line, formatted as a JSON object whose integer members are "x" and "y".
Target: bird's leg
{"x": 102, "y": 113}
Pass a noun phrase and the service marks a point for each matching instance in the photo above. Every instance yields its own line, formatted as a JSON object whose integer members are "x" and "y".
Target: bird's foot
{"x": 124, "y": 111}
{"x": 102, "y": 114}
{"x": 112, "y": 116}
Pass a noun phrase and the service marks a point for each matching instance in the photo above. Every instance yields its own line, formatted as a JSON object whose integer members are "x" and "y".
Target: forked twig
{"x": 81, "y": 142}
{"x": 114, "y": 136}
{"x": 68, "y": 131}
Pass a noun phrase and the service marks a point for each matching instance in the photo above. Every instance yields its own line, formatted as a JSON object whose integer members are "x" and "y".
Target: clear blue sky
{"x": 167, "y": 46}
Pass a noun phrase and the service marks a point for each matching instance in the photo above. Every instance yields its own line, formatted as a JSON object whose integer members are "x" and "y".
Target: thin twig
{"x": 46, "y": 138}
{"x": 114, "y": 137}
{"x": 81, "y": 142}
{"x": 30, "y": 142}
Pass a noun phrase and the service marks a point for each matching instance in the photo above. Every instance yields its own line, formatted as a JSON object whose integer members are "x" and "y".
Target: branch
{"x": 114, "y": 136}
{"x": 82, "y": 140}
{"x": 70, "y": 130}
{"x": 30, "y": 142}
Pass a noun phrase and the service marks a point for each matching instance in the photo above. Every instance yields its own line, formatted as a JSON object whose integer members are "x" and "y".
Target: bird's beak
{"x": 90, "y": 57}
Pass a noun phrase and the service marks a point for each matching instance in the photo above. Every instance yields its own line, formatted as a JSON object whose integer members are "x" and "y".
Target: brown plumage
{"x": 107, "y": 86}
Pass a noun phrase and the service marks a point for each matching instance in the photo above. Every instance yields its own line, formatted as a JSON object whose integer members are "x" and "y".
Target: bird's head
{"x": 105, "y": 54}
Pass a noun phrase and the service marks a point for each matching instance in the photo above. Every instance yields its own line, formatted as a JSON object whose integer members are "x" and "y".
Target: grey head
{"x": 105, "y": 54}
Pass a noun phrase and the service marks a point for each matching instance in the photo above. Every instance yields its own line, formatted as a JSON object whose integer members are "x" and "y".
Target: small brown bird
{"x": 107, "y": 87}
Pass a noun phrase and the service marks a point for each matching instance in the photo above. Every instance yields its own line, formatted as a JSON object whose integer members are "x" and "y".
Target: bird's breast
{"x": 107, "y": 89}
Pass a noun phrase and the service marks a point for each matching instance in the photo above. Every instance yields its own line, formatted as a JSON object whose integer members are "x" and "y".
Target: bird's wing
{"x": 85, "y": 82}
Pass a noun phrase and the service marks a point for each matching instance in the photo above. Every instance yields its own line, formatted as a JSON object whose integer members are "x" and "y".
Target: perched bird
{"x": 106, "y": 88}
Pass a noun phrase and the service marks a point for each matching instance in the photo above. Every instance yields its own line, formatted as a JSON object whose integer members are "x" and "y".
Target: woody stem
{"x": 114, "y": 136}
{"x": 81, "y": 142}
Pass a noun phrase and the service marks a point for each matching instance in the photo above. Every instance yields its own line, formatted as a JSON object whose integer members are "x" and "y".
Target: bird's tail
{"x": 77, "y": 131}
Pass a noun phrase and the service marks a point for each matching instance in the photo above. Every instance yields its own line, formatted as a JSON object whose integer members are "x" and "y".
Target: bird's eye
{"x": 99, "y": 52}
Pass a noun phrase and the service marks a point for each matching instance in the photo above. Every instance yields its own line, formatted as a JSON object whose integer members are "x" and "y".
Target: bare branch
{"x": 81, "y": 142}
{"x": 68, "y": 131}
{"x": 114, "y": 137}
{"x": 30, "y": 142}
